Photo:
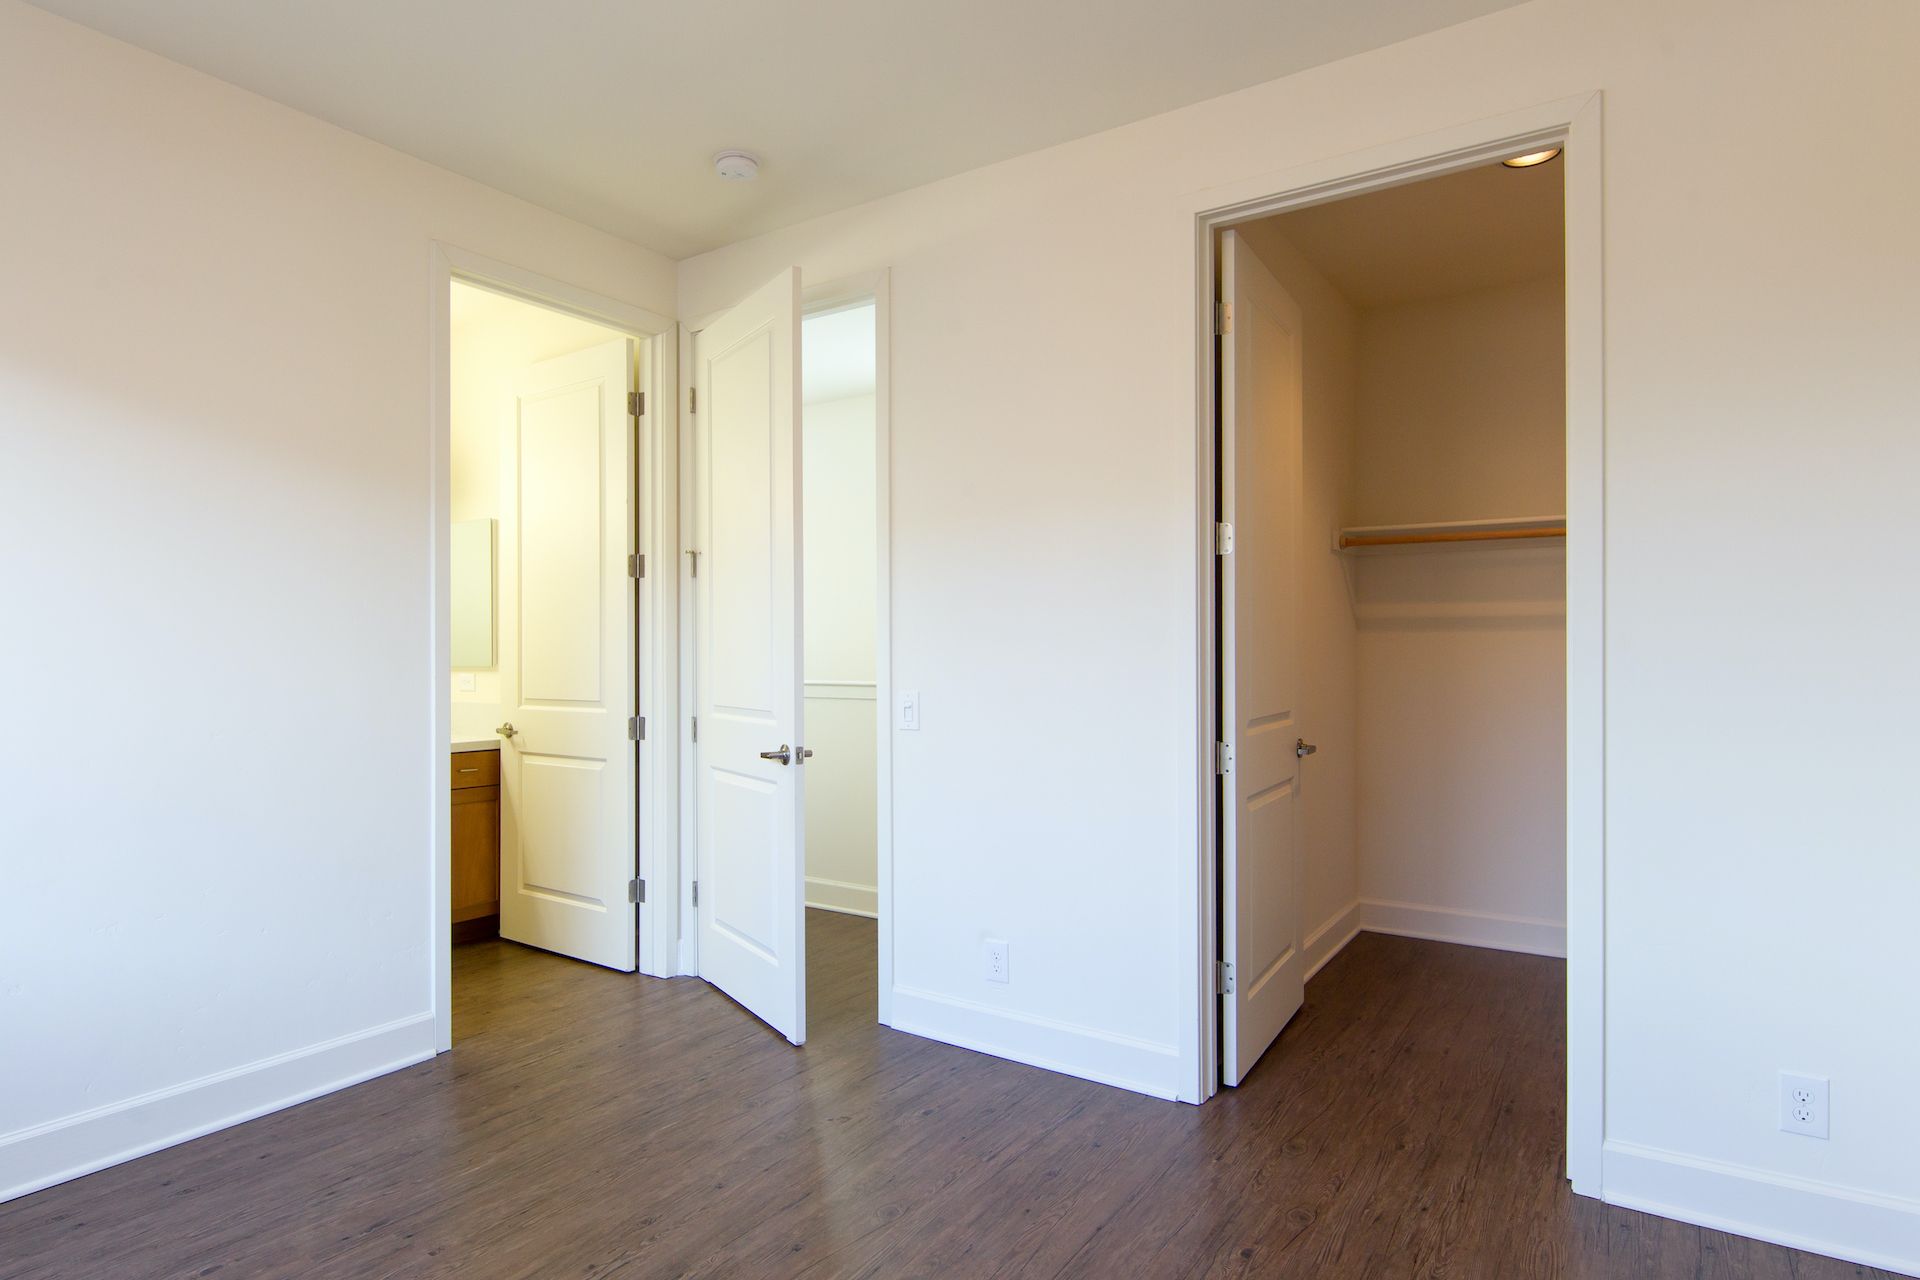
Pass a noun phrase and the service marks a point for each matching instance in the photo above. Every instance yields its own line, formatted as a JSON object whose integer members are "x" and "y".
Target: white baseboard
{"x": 32, "y": 1159}
{"x": 1469, "y": 928}
{"x": 1436, "y": 924}
{"x": 1841, "y": 1222}
{"x": 1327, "y": 941}
{"x": 1086, "y": 1052}
{"x": 844, "y": 897}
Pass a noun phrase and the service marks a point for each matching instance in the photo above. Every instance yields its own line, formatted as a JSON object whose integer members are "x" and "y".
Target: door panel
{"x": 566, "y": 660}
{"x": 747, "y": 623}
{"x": 1260, "y": 496}
{"x": 560, "y": 537}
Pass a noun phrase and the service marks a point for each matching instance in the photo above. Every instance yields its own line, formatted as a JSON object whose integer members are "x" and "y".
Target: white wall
{"x": 1759, "y": 275}
{"x": 1462, "y": 649}
{"x": 1329, "y": 838}
{"x": 1462, "y": 407}
{"x": 217, "y": 494}
{"x": 839, "y": 548}
{"x": 238, "y": 484}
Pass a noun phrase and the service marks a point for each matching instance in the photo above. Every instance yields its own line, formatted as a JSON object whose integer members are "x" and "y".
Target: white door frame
{"x": 1573, "y": 123}
{"x": 656, "y": 533}
{"x": 827, "y": 296}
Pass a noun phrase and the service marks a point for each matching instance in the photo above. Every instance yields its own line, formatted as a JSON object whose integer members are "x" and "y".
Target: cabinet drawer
{"x": 476, "y": 769}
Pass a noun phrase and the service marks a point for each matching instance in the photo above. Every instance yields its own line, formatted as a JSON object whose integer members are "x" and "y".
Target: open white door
{"x": 567, "y": 840}
{"x": 1260, "y": 501}
{"x": 748, "y": 753}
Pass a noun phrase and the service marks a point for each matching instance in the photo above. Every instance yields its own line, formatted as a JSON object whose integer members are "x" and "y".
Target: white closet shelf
{"x": 1504, "y": 529}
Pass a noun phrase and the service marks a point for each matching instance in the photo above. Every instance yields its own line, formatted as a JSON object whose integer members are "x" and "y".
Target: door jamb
{"x": 1575, "y": 124}
{"x": 654, "y": 455}
{"x": 828, "y": 295}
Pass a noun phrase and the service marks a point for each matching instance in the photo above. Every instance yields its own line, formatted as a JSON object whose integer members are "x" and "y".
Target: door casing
{"x": 1574, "y": 124}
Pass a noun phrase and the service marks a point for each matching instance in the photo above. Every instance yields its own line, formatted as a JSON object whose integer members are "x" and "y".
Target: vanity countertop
{"x": 477, "y": 744}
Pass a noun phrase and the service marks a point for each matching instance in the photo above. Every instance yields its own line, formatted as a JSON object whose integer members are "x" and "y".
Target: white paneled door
{"x": 567, "y": 827}
{"x": 748, "y": 754}
{"x": 1260, "y": 679}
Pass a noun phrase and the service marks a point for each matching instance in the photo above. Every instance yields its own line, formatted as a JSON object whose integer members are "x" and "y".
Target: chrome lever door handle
{"x": 506, "y": 730}
{"x": 1303, "y": 748}
{"x": 784, "y": 755}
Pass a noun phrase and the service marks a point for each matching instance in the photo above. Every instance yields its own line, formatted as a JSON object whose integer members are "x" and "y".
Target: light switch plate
{"x": 907, "y": 712}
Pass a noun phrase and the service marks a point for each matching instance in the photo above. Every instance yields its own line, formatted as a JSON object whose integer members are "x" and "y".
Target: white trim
{"x": 686, "y": 934}
{"x": 656, "y": 760}
{"x": 439, "y": 643}
{"x": 1088, "y": 1053}
{"x": 1842, "y": 1222}
{"x": 1575, "y": 124}
{"x": 844, "y": 897}
{"x": 1586, "y": 651}
{"x": 1435, "y": 924}
{"x": 554, "y": 295}
{"x": 1331, "y": 938}
{"x": 80, "y": 1144}
{"x": 883, "y": 634}
{"x": 1529, "y": 934}
{"x": 850, "y": 690}
{"x": 658, "y": 529}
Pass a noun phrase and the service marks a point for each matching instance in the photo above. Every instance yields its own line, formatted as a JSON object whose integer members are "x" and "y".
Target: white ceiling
{"x": 1477, "y": 229}
{"x": 837, "y": 354}
{"x": 493, "y": 320}
{"x": 611, "y": 113}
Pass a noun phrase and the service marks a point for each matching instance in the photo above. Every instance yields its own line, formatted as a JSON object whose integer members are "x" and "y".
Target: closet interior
{"x": 1432, "y": 592}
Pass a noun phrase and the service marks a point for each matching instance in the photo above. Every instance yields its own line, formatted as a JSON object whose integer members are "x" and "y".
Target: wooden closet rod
{"x": 1457, "y": 535}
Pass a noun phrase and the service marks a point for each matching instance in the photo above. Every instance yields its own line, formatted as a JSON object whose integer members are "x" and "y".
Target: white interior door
{"x": 1260, "y": 500}
{"x": 748, "y": 754}
{"x": 567, "y": 834}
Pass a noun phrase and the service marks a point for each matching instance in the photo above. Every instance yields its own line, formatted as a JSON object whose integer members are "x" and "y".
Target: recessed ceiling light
{"x": 1531, "y": 159}
{"x": 736, "y": 166}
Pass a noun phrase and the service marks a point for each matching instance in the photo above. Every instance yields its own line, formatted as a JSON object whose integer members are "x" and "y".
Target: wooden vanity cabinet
{"x": 476, "y": 845}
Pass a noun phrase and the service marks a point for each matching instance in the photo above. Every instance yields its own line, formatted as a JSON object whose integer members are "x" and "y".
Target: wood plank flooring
{"x": 589, "y": 1124}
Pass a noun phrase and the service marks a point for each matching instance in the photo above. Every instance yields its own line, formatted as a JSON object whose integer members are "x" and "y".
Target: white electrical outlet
{"x": 993, "y": 953}
{"x": 467, "y": 682}
{"x": 1803, "y": 1104}
{"x": 908, "y": 716}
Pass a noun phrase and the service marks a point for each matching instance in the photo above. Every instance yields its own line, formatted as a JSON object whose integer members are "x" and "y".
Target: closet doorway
{"x": 1390, "y": 589}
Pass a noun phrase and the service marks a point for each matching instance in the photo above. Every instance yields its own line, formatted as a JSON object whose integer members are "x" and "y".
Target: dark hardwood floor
{"x": 593, "y": 1124}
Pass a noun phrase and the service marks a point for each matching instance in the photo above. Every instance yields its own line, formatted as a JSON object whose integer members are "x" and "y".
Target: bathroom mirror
{"x": 472, "y": 581}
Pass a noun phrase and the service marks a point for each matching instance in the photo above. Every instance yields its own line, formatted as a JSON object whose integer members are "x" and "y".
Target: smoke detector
{"x": 736, "y": 166}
